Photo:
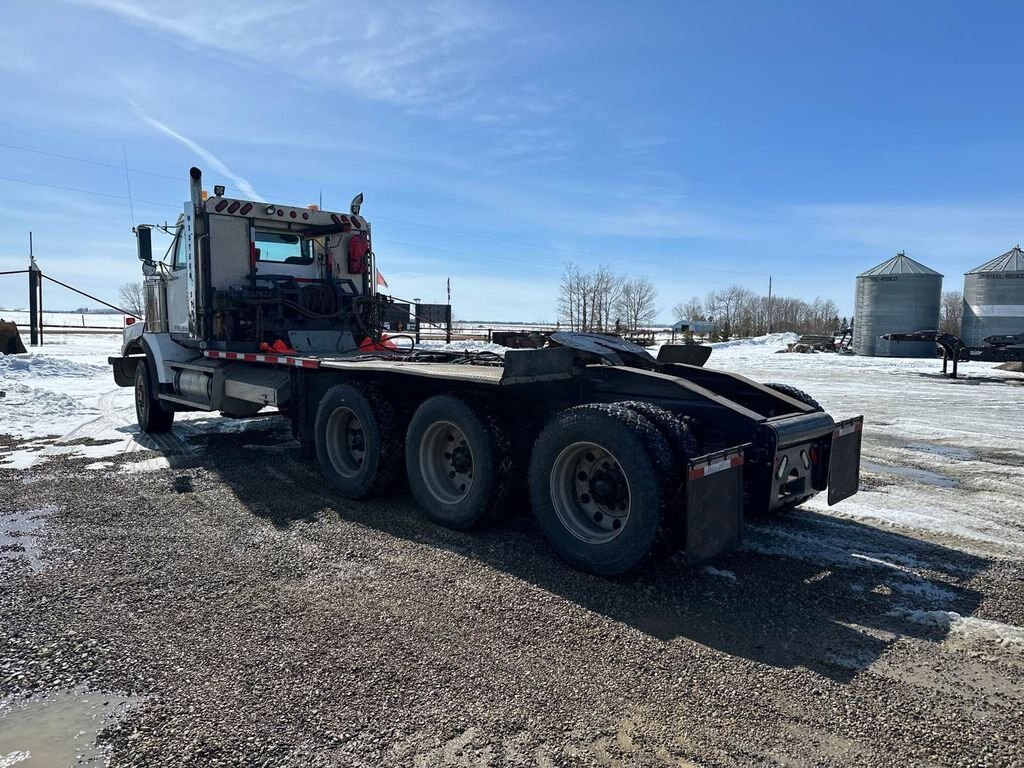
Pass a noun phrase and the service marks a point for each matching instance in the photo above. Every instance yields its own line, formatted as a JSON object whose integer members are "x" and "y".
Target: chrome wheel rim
{"x": 590, "y": 492}
{"x": 446, "y": 462}
{"x": 345, "y": 442}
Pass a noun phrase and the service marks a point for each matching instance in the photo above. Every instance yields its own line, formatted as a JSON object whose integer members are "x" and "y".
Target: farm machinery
{"x": 621, "y": 455}
{"x": 995, "y": 349}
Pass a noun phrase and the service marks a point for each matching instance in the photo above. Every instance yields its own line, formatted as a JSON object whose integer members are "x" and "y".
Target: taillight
{"x": 780, "y": 471}
{"x": 246, "y": 208}
{"x": 233, "y": 207}
{"x": 221, "y": 206}
{"x": 358, "y": 247}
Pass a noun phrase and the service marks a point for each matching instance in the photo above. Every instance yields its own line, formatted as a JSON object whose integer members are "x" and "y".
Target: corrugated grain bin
{"x": 994, "y": 299}
{"x": 898, "y": 296}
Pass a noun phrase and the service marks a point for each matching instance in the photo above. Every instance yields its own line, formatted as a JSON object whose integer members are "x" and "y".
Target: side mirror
{"x": 145, "y": 234}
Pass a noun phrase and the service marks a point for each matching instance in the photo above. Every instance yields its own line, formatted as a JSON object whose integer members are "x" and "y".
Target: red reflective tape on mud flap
{"x": 846, "y": 429}
{"x": 717, "y": 466}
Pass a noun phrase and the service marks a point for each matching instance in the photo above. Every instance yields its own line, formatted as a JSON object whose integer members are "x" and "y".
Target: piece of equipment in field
{"x": 10, "y": 339}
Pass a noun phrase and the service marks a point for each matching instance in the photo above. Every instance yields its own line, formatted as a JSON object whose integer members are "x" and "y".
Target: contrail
{"x": 242, "y": 184}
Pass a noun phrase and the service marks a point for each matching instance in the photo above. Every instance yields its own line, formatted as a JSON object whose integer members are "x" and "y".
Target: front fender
{"x": 131, "y": 337}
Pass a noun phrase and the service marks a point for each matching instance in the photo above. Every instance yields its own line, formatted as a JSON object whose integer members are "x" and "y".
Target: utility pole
{"x": 769, "y": 303}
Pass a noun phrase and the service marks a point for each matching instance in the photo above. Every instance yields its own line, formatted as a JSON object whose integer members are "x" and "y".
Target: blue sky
{"x": 699, "y": 144}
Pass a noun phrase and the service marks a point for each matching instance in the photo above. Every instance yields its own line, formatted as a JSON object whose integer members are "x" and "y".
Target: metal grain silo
{"x": 994, "y": 299}
{"x": 898, "y": 296}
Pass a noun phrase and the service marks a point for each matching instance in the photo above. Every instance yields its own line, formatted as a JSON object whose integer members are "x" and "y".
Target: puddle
{"x": 58, "y": 729}
{"x": 923, "y": 476}
{"x": 19, "y": 538}
{"x": 947, "y": 451}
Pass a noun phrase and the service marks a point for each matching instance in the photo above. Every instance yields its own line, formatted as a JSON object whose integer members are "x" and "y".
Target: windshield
{"x": 283, "y": 247}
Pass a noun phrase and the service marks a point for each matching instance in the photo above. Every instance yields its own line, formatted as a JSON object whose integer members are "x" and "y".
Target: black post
{"x": 448, "y": 327}
{"x": 41, "y": 316}
{"x": 33, "y": 304}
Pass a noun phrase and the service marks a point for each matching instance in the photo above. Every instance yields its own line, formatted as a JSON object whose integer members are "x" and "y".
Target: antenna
{"x": 128, "y": 181}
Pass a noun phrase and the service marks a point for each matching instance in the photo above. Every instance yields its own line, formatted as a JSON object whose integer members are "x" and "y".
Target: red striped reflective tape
{"x": 848, "y": 429}
{"x": 718, "y": 466}
{"x": 252, "y": 357}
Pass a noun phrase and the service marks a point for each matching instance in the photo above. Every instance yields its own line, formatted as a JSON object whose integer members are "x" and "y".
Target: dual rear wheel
{"x": 604, "y": 479}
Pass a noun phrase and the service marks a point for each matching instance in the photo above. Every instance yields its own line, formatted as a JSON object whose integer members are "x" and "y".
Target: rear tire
{"x": 602, "y": 482}
{"x": 358, "y": 445}
{"x": 458, "y": 462}
{"x": 149, "y": 411}
{"x": 796, "y": 394}
{"x": 677, "y": 433}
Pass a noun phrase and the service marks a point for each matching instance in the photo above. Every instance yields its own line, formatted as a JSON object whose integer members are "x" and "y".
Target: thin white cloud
{"x": 241, "y": 183}
{"x": 415, "y": 56}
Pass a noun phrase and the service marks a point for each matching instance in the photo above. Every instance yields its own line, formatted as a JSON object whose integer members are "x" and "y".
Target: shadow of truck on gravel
{"x": 807, "y": 590}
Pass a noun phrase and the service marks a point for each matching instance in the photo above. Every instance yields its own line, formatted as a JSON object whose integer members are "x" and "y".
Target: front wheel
{"x": 149, "y": 411}
{"x": 602, "y": 480}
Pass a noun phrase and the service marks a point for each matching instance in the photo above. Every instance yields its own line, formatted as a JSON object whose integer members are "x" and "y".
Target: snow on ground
{"x": 940, "y": 455}
{"x": 70, "y": 320}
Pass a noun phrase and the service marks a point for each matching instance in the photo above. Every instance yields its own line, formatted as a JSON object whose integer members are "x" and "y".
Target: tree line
{"x": 739, "y": 312}
{"x": 602, "y": 300}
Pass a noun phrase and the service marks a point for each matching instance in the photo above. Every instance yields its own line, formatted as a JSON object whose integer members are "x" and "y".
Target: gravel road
{"x": 258, "y": 620}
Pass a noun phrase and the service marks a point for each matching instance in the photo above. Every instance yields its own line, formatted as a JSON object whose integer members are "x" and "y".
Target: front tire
{"x": 149, "y": 411}
{"x": 358, "y": 445}
{"x": 458, "y": 462}
{"x": 602, "y": 481}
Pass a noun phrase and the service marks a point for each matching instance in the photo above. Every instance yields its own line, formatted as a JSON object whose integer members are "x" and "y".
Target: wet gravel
{"x": 266, "y": 622}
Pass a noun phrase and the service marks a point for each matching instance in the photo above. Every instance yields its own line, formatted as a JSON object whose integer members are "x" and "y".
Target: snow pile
{"x": 42, "y": 366}
{"x": 710, "y": 570}
{"x": 967, "y": 627}
{"x": 775, "y": 340}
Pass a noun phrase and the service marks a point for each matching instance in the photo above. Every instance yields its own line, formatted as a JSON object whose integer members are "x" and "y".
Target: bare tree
{"x": 690, "y": 310}
{"x": 636, "y": 305}
{"x": 952, "y": 312}
{"x": 588, "y": 301}
{"x": 133, "y": 298}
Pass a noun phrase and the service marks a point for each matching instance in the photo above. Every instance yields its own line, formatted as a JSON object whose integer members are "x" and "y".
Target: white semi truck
{"x": 262, "y": 307}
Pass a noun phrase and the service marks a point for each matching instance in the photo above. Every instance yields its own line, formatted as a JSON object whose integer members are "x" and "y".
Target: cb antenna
{"x": 128, "y": 181}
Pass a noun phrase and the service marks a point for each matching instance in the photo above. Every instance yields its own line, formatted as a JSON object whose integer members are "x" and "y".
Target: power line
{"x": 81, "y": 191}
{"x": 87, "y": 160}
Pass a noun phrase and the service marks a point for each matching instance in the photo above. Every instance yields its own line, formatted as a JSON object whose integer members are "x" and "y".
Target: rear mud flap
{"x": 844, "y": 459}
{"x": 714, "y": 503}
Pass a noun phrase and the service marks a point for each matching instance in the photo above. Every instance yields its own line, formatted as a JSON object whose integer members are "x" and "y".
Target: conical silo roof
{"x": 900, "y": 264}
{"x": 1011, "y": 261}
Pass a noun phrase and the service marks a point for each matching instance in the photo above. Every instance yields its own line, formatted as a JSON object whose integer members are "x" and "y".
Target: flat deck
{"x": 483, "y": 374}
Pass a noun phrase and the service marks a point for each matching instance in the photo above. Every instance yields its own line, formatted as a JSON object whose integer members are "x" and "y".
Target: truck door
{"x": 177, "y": 286}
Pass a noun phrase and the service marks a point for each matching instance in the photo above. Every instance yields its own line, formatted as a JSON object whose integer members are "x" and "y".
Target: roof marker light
{"x": 246, "y": 208}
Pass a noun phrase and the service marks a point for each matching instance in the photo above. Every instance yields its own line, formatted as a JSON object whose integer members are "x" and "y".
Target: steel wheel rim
{"x": 140, "y": 399}
{"x": 446, "y": 462}
{"x": 590, "y": 492}
{"x": 345, "y": 442}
